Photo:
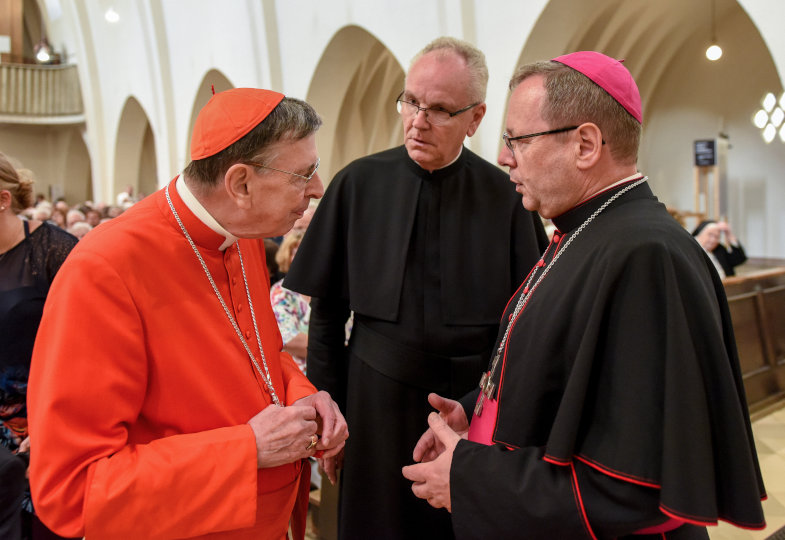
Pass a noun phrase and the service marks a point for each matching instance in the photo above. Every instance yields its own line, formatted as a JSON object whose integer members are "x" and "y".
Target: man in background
{"x": 424, "y": 243}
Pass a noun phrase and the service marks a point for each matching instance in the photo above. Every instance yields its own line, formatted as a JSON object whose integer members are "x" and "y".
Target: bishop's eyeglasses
{"x": 508, "y": 140}
{"x": 435, "y": 115}
{"x": 306, "y": 178}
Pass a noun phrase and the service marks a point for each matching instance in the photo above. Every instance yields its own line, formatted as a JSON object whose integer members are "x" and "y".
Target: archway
{"x": 78, "y": 171}
{"x": 148, "y": 165}
{"x": 354, "y": 89}
{"x": 131, "y": 151}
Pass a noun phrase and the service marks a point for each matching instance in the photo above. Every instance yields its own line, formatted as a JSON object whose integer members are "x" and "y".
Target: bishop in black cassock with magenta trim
{"x": 614, "y": 405}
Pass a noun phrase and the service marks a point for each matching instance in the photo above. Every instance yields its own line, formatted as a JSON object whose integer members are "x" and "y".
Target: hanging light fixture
{"x": 44, "y": 53}
{"x": 714, "y": 52}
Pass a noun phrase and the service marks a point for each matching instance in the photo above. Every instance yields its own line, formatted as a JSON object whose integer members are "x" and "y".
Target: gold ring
{"x": 314, "y": 440}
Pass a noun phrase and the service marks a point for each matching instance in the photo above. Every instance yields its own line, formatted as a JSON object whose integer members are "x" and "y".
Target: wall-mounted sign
{"x": 705, "y": 153}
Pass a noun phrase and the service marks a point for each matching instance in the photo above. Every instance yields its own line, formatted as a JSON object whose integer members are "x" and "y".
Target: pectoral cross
{"x": 487, "y": 387}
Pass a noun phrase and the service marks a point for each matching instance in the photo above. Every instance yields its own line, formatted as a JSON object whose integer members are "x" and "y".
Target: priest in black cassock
{"x": 424, "y": 243}
{"x": 614, "y": 405}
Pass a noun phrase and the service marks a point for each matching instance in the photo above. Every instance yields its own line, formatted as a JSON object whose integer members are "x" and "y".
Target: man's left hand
{"x": 432, "y": 479}
{"x": 333, "y": 430}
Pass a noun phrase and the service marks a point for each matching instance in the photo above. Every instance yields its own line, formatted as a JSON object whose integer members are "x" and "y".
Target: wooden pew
{"x": 757, "y": 304}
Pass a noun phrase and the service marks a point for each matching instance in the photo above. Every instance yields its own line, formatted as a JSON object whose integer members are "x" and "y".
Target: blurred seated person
{"x": 42, "y": 212}
{"x": 126, "y": 198}
{"x": 292, "y": 310}
{"x": 113, "y": 211}
{"x": 58, "y": 218}
{"x": 79, "y": 229}
{"x": 93, "y": 217}
{"x": 74, "y": 216}
{"x": 709, "y": 235}
{"x": 61, "y": 205}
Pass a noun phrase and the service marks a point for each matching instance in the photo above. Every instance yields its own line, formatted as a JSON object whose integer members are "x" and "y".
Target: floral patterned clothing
{"x": 292, "y": 311}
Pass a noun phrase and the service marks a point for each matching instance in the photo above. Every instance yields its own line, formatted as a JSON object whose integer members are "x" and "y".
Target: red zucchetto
{"x": 229, "y": 116}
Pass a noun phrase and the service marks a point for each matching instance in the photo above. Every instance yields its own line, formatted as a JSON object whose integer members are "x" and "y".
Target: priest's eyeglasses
{"x": 435, "y": 115}
{"x": 306, "y": 178}
{"x": 508, "y": 140}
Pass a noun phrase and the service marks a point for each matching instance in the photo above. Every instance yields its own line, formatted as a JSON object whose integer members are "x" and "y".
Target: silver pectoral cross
{"x": 486, "y": 391}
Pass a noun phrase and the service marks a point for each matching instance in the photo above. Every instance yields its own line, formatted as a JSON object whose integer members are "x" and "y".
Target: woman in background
{"x": 709, "y": 235}
{"x": 31, "y": 253}
{"x": 292, "y": 310}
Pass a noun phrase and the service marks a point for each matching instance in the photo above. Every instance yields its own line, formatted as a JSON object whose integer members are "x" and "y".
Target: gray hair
{"x": 573, "y": 98}
{"x": 474, "y": 58}
{"x": 292, "y": 120}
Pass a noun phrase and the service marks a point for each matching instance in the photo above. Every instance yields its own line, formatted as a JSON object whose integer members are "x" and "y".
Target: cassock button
{"x": 239, "y": 308}
{"x": 247, "y": 334}
{"x": 556, "y": 237}
{"x": 234, "y": 281}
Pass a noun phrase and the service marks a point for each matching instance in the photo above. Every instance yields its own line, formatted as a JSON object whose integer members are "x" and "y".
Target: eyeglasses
{"x": 435, "y": 116}
{"x": 307, "y": 178}
{"x": 508, "y": 140}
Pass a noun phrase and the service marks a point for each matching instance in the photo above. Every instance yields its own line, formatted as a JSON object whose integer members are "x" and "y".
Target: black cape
{"x": 426, "y": 261}
{"x": 620, "y": 394}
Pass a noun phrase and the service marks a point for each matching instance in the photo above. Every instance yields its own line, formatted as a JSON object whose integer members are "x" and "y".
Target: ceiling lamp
{"x": 43, "y": 52}
{"x": 714, "y": 52}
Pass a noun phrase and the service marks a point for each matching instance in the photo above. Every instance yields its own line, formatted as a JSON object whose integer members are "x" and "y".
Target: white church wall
{"x": 697, "y": 99}
{"x": 159, "y": 53}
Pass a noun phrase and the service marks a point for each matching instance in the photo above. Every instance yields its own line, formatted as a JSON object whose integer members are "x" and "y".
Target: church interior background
{"x": 114, "y": 103}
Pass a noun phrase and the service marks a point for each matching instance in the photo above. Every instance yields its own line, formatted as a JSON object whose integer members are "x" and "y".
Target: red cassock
{"x": 140, "y": 388}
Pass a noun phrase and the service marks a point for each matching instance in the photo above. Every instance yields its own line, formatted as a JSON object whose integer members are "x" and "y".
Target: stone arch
{"x": 212, "y": 79}
{"x": 77, "y": 167}
{"x": 133, "y": 156}
{"x": 354, "y": 88}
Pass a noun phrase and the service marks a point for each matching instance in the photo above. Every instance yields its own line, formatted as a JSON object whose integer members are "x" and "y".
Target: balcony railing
{"x": 40, "y": 94}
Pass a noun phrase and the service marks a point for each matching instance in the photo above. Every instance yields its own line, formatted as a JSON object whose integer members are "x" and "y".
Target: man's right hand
{"x": 429, "y": 447}
{"x": 283, "y": 434}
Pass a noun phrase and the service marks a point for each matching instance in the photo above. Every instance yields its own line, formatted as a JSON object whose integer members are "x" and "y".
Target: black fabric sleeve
{"x": 327, "y": 361}
{"x": 468, "y": 401}
{"x": 736, "y": 256}
{"x": 500, "y": 493}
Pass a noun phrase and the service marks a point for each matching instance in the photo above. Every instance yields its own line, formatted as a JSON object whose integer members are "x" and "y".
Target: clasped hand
{"x": 434, "y": 450}
{"x": 284, "y": 434}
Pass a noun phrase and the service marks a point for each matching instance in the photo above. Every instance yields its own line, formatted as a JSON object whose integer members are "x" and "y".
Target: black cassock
{"x": 426, "y": 261}
{"x": 620, "y": 398}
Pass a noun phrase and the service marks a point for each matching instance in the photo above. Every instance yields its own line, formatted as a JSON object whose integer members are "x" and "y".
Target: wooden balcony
{"x": 38, "y": 94}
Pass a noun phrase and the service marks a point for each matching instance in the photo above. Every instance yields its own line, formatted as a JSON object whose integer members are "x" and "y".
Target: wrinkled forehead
{"x": 441, "y": 77}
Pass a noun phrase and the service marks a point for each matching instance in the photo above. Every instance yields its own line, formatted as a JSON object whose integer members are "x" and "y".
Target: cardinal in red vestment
{"x": 160, "y": 402}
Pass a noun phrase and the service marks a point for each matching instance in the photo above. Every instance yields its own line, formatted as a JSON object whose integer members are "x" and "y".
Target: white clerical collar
{"x": 201, "y": 212}
{"x": 631, "y": 177}
{"x": 460, "y": 150}
{"x": 613, "y": 185}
